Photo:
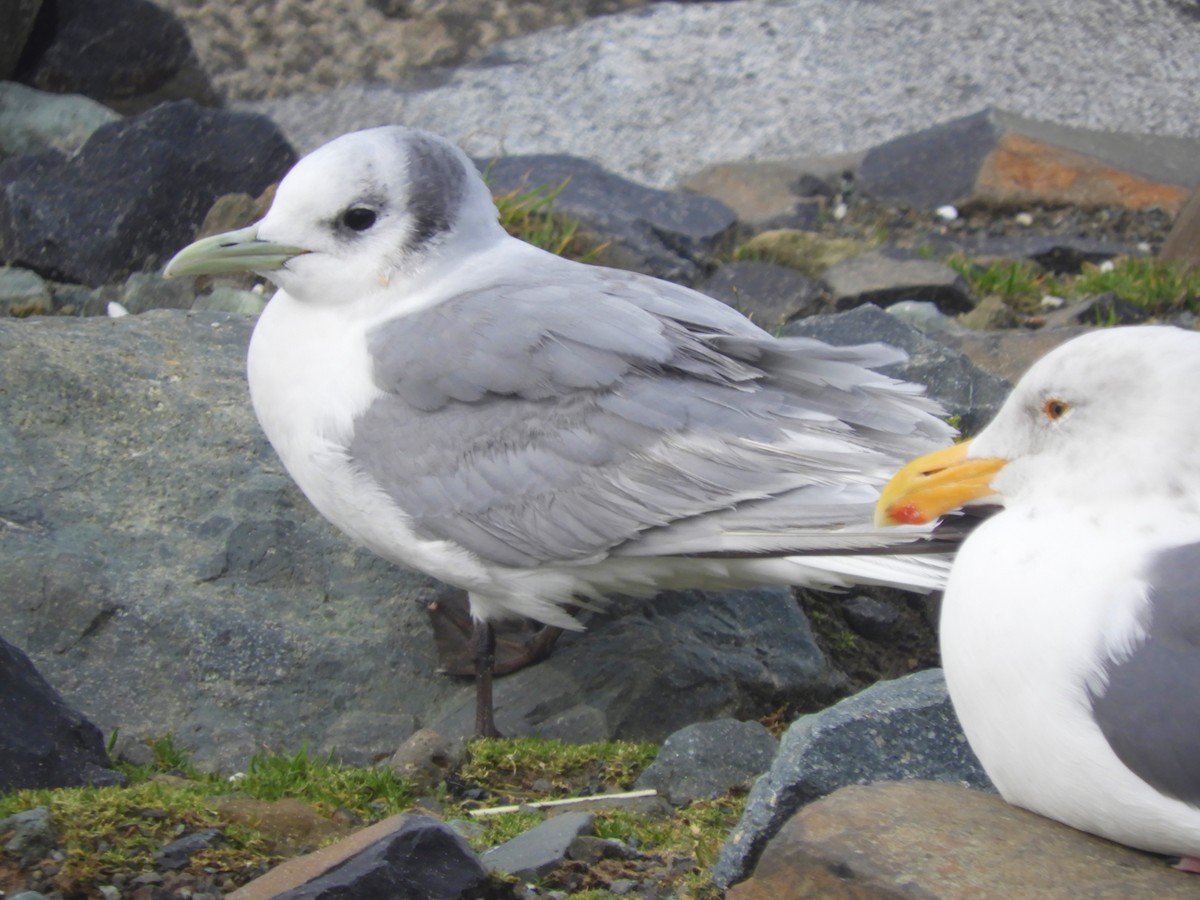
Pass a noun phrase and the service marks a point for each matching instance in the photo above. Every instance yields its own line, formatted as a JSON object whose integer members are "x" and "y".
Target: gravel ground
{"x": 657, "y": 92}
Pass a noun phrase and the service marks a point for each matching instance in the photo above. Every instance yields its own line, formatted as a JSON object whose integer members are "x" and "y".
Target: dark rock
{"x": 893, "y": 731}
{"x": 422, "y": 859}
{"x": 1103, "y": 309}
{"x": 540, "y": 850}
{"x": 589, "y": 849}
{"x": 870, "y": 617}
{"x": 1061, "y": 254}
{"x": 705, "y": 760}
{"x": 666, "y": 234}
{"x": 16, "y": 22}
{"x": 31, "y": 835}
{"x": 920, "y": 840}
{"x": 129, "y": 55}
{"x": 739, "y": 654}
{"x": 878, "y": 278}
{"x": 179, "y": 853}
{"x": 43, "y": 742}
{"x": 768, "y": 294}
{"x": 949, "y": 376}
{"x": 134, "y": 193}
{"x": 1001, "y": 159}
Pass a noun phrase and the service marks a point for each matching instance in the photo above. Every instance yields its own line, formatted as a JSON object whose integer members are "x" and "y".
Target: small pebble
{"x": 1023, "y": 219}
{"x": 946, "y": 213}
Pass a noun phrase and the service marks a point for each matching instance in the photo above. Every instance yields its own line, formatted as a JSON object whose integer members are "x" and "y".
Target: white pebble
{"x": 1107, "y": 266}
{"x": 839, "y": 212}
{"x": 115, "y": 310}
{"x": 947, "y": 213}
{"x": 1023, "y": 219}
{"x": 1049, "y": 301}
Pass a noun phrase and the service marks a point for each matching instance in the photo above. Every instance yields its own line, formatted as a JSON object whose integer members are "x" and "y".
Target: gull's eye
{"x": 1056, "y": 409}
{"x": 359, "y": 218}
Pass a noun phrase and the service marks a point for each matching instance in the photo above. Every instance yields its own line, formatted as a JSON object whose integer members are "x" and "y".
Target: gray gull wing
{"x": 531, "y": 430}
{"x": 1148, "y": 711}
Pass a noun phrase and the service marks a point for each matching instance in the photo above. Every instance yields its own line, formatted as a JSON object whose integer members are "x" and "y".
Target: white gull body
{"x": 1070, "y": 627}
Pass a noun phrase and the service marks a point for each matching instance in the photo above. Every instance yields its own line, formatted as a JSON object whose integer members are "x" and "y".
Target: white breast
{"x": 310, "y": 378}
{"x": 1026, "y": 617}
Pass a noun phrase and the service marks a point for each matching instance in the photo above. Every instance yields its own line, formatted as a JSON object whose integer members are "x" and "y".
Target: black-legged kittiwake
{"x": 540, "y": 432}
{"x": 1070, "y": 628}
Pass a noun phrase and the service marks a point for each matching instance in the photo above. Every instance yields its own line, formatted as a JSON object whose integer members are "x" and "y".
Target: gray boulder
{"x": 134, "y": 193}
{"x": 883, "y": 279}
{"x": 893, "y": 731}
{"x": 538, "y": 851}
{"x": 164, "y": 572}
{"x": 32, "y": 121}
{"x": 705, "y": 760}
{"x": 949, "y": 377}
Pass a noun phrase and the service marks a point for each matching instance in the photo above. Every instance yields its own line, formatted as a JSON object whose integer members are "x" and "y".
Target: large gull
{"x": 539, "y": 432}
{"x": 1070, "y": 627}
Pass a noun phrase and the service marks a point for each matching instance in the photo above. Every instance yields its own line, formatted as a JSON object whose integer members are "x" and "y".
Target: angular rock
{"x": 539, "y": 851}
{"x": 1061, "y": 254}
{"x": 669, "y": 235}
{"x": 43, "y": 742}
{"x": 230, "y": 300}
{"x": 129, "y": 55}
{"x": 869, "y": 616}
{"x": 894, "y": 731}
{"x": 1182, "y": 244}
{"x": 768, "y": 294}
{"x": 179, "y": 853}
{"x": 1105, "y": 309}
{"x": 950, "y": 377}
{"x": 991, "y": 312}
{"x": 705, "y": 760}
{"x": 646, "y": 668}
{"x": 761, "y": 192}
{"x": 928, "y": 841}
{"x": 32, "y": 121}
{"x": 407, "y": 857}
{"x": 30, "y": 835}
{"x": 24, "y": 293}
{"x": 134, "y": 193}
{"x": 878, "y": 278}
{"x": 144, "y": 291}
{"x": 428, "y": 757}
{"x": 1001, "y": 159}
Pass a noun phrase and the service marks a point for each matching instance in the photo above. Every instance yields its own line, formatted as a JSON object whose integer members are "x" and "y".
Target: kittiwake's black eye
{"x": 359, "y": 218}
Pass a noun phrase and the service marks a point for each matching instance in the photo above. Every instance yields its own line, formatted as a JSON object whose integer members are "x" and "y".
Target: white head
{"x": 1109, "y": 417}
{"x": 353, "y": 215}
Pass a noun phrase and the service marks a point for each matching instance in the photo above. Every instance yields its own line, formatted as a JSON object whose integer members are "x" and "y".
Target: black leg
{"x": 485, "y": 664}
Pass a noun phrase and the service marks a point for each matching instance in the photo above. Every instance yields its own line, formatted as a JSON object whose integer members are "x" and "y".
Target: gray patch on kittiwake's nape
{"x": 1148, "y": 711}
{"x": 437, "y": 186}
